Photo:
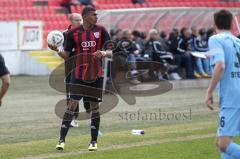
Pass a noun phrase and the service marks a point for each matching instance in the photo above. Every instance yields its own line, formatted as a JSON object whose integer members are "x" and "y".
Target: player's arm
{"x": 63, "y": 54}
{"x": 217, "y": 59}
{"x": 217, "y": 74}
{"x": 107, "y": 53}
{"x": 105, "y": 39}
{"x": 5, "y": 85}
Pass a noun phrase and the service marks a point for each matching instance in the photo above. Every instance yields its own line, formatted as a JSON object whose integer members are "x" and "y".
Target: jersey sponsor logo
{"x": 88, "y": 44}
{"x": 96, "y": 34}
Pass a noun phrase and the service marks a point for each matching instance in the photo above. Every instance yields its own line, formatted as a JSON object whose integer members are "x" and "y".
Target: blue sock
{"x": 233, "y": 150}
{"x": 225, "y": 156}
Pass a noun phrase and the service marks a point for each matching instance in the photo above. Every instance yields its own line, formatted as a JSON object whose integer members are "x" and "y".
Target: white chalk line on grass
{"x": 123, "y": 146}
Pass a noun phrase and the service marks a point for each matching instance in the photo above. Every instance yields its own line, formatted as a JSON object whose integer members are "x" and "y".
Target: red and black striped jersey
{"x": 87, "y": 67}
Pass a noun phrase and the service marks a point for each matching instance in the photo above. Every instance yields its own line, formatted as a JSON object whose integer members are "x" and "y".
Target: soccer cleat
{"x": 60, "y": 146}
{"x": 92, "y": 146}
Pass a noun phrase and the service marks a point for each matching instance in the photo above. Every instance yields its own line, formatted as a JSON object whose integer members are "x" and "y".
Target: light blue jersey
{"x": 226, "y": 47}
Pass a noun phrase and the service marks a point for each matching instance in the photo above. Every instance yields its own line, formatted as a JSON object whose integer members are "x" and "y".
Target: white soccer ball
{"x": 56, "y": 38}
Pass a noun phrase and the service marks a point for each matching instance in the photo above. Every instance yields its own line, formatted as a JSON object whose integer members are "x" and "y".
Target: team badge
{"x": 96, "y": 34}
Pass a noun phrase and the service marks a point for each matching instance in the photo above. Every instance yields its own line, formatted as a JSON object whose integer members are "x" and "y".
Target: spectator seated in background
{"x": 158, "y": 53}
{"x": 68, "y": 3}
{"x": 138, "y": 40}
{"x": 200, "y": 44}
{"x": 179, "y": 46}
{"x": 128, "y": 52}
{"x": 116, "y": 34}
{"x": 164, "y": 41}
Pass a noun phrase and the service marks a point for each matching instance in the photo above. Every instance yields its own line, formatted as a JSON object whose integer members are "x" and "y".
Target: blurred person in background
{"x": 140, "y": 43}
{"x": 76, "y": 21}
{"x": 68, "y": 3}
{"x": 116, "y": 35}
{"x": 164, "y": 40}
{"x": 5, "y": 78}
{"x": 210, "y": 32}
{"x": 128, "y": 48}
{"x": 201, "y": 45}
{"x": 179, "y": 46}
{"x": 158, "y": 53}
{"x": 173, "y": 39}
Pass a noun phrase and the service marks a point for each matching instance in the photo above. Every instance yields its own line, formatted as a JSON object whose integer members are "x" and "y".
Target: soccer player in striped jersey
{"x": 87, "y": 40}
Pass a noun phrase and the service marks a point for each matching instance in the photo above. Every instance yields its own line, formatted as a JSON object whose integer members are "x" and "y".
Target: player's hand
{"x": 209, "y": 100}
{"x": 53, "y": 47}
{"x": 98, "y": 54}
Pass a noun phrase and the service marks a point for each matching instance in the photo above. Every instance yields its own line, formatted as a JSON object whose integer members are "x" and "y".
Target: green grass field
{"x": 29, "y": 127}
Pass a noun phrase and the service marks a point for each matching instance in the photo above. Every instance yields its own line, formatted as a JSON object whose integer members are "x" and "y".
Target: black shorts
{"x": 91, "y": 91}
{"x": 3, "y": 68}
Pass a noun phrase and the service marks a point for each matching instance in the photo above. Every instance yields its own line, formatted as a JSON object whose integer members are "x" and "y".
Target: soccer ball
{"x": 55, "y": 38}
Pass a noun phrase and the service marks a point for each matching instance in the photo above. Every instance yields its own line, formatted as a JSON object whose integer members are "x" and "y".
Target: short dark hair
{"x": 136, "y": 33}
{"x": 223, "y": 19}
{"x": 86, "y": 10}
{"x": 202, "y": 31}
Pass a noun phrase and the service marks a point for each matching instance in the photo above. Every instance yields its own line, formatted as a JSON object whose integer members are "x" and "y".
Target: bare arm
{"x": 107, "y": 53}
{"x": 217, "y": 74}
{"x": 5, "y": 85}
{"x": 64, "y": 55}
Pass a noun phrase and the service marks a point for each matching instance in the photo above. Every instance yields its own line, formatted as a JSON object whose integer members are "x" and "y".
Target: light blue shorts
{"x": 229, "y": 122}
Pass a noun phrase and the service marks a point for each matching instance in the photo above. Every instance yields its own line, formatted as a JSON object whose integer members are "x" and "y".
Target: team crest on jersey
{"x": 96, "y": 34}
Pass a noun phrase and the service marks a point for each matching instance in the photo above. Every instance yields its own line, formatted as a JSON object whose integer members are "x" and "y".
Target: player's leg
{"x": 229, "y": 121}
{"x": 229, "y": 149}
{"x": 95, "y": 114}
{"x": 5, "y": 85}
{"x": 86, "y": 104}
{"x": 95, "y": 123}
{"x": 68, "y": 79}
{"x": 221, "y": 143}
{"x": 75, "y": 116}
{"x": 67, "y": 118}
